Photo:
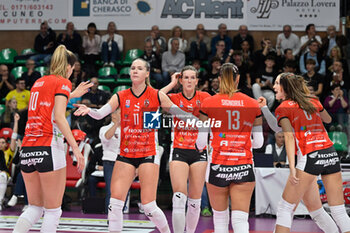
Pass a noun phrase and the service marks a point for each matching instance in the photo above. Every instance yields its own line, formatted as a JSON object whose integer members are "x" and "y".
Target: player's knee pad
{"x": 156, "y": 215}
{"x": 32, "y": 214}
{"x": 221, "y": 221}
{"x": 51, "y": 220}
{"x": 115, "y": 215}
{"x": 239, "y": 221}
{"x": 341, "y": 217}
{"x": 324, "y": 221}
{"x": 179, "y": 202}
{"x": 284, "y": 213}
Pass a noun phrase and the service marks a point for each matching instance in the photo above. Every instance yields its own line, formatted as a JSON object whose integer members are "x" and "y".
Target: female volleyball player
{"x": 139, "y": 118}
{"x": 300, "y": 116}
{"x": 186, "y": 163}
{"x": 231, "y": 169}
{"x": 42, "y": 156}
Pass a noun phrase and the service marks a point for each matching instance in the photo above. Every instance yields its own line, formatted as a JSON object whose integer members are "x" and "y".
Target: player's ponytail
{"x": 295, "y": 88}
{"x": 228, "y": 76}
{"x": 60, "y": 60}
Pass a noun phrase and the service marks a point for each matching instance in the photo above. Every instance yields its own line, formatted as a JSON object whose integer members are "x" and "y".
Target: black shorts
{"x": 321, "y": 162}
{"x": 188, "y": 156}
{"x": 136, "y": 162}
{"x": 224, "y": 175}
{"x": 41, "y": 159}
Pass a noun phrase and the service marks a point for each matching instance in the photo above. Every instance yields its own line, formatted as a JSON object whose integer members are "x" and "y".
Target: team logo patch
{"x": 151, "y": 120}
{"x": 198, "y": 102}
{"x": 127, "y": 103}
{"x": 146, "y": 103}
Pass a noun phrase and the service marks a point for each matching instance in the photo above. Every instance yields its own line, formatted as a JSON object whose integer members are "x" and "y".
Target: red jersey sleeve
{"x": 281, "y": 112}
{"x": 63, "y": 87}
{"x": 318, "y": 105}
{"x": 204, "y": 107}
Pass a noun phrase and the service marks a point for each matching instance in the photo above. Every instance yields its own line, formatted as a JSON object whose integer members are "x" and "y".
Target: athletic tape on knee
{"x": 221, "y": 221}
{"x": 115, "y": 215}
{"x": 179, "y": 202}
{"x": 324, "y": 221}
{"x": 51, "y": 220}
{"x": 341, "y": 217}
{"x": 239, "y": 221}
{"x": 284, "y": 213}
{"x": 193, "y": 213}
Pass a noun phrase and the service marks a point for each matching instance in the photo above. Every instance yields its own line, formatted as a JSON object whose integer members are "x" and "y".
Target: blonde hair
{"x": 173, "y": 30}
{"x": 295, "y": 88}
{"x": 148, "y": 68}
{"x": 228, "y": 75}
{"x": 60, "y": 60}
{"x": 339, "y": 56}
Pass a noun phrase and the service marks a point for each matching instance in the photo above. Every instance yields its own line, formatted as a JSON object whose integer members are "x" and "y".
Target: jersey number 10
{"x": 33, "y": 100}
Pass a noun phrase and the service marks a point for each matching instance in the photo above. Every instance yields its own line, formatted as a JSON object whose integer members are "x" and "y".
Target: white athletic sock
{"x": 239, "y": 221}
{"x": 157, "y": 216}
{"x": 324, "y": 221}
{"x": 341, "y": 217}
{"x": 178, "y": 214}
{"x": 115, "y": 215}
{"x": 28, "y": 218}
{"x": 51, "y": 220}
{"x": 221, "y": 220}
{"x": 192, "y": 216}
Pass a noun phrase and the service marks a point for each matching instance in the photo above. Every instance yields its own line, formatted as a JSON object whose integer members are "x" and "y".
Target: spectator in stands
{"x": 201, "y": 71}
{"x": 70, "y": 108}
{"x": 44, "y": 44}
{"x": 22, "y": 96}
{"x": 215, "y": 64}
{"x": 6, "y": 156}
{"x": 198, "y": 46}
{"x": 92, "y": 46}
{"x": 335, "y": 55}
{"x": 31, "y": 75}
{"x": 290, "y": 66}
{"x": 337, "y": 76}
{"x": 158, "y": 42}
{"x": 278, "y": 151}
{"x": 177, "y": 32}
{"x": 95, "y": 98}
{"x": 155, "y": 62}
{"x": 7, "y": 81}
{"x": 337, "y": 105}
{"x": 6, "y": 120}
{"x": 78, "y": 74}
{"x": 172, "y": 61}
{"x": 264, "y": 80}
{"x": 310, "y": 36}
{"x": 111, "y": 45}
{"x": 71, "y": 39}
{"x": 243, "y": 35}
{"x": 247, "y": 54}
{"x": 245, "y": 84}
{"x": 288, "y": 40}
{"x": 220, "y": 52}
{"x": 95, "y": 169}
{"x": 287, "y": 57}
{"x": 222, "y": 35}
{"x": 214, "y": 86}
{"x": 332, "y": 40}
{"x": 313, "y": 78}
{"x": 265, "y": 51}
{"x": 314, "y": 54}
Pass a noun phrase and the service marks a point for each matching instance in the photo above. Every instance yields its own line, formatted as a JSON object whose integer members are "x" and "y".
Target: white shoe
{"x": 24, "y": 208}
{"x": 141, "y": 210}
{"x": 13, "y": 201}
{"x": 111, "y": 64}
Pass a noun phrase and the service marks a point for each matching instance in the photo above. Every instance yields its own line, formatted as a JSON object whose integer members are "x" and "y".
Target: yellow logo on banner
{"x": 84, "y": 5}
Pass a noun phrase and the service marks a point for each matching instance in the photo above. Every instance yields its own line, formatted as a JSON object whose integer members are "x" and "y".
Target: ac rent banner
{"x": 259, "y": 15}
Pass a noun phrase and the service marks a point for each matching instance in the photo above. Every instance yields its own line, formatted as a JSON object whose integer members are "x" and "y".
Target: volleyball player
{"x": 139, "y": 116}
{"x": 300, "y": 116}
{"x": 186, "y": 163}
{"x": 42, "y": 156}
{"x": 230, "y": 173}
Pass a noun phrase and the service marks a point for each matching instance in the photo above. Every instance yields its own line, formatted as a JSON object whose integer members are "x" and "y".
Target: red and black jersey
{"x": 232, "y": 140}
{"x": 137, "y": 141}
{"x": 41, "y": 128}
{"x": 185, "y": 137}
{"x": 309, "y": 131}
